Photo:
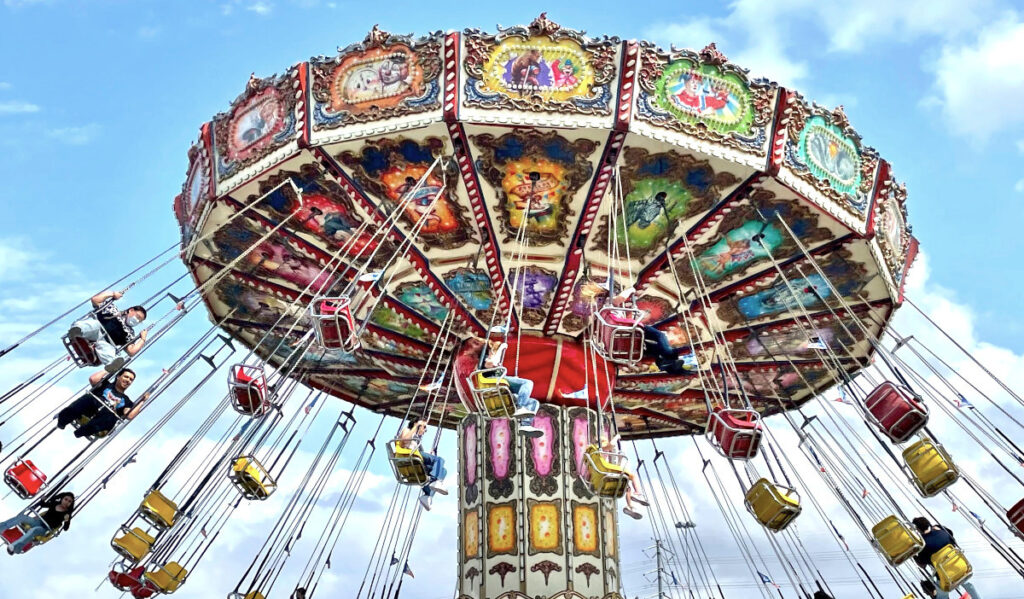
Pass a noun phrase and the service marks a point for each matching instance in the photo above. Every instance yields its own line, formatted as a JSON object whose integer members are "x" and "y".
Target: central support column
{"x": 528, "y": 526}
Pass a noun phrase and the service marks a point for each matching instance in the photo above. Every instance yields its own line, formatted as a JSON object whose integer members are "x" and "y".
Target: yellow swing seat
{"x": 158, "y": 510}
{"x": 168, "y": 578}
{"x": 251, "y": 479}
{"x": 491, "y": 392}
{"x": 931, "y": 468}
{"x": 896, "y": 540}
{"x": 407, "y": 464}
{"x": 774, "y": 506}
{"x": 952, "y": 567}
{"x": 133, "y": 544}
{"x": 608, "y": 476}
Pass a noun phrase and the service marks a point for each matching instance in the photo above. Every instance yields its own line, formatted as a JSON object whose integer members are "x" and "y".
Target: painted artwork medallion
{"x": 830, "y": 155}
{"x": 703, "y": 93}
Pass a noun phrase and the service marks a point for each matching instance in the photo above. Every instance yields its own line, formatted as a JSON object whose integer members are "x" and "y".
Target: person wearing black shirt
{"x": 103, "y": 405}
{"x": 110, "y": 330}
{"x": 57, "y": 515}
{"x": 936, "y": 536}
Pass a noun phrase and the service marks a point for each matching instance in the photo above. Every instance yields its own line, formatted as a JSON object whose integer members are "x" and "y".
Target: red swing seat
{"x": 736, "y": 434}
{"x": 144, "y": 590}
{"x": 82, "y": 351}
{"x": 896, "y": 411}
{"x": 1016, "y": 516}
{"x": 24, "y": 478}
{"x": 128, "y": 580}
{"x": 335, "y": 326}
{"x": 248, "y": 386}
{"x": 619, "y": 334}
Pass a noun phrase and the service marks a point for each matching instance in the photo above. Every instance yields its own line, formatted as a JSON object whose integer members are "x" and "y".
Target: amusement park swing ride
{"x": 556, "y": 247}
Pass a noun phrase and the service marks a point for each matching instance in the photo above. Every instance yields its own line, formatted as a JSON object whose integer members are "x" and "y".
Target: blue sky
{"x": 100, "y": 100}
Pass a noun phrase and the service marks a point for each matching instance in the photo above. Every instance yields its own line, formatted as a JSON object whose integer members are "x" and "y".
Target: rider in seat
{"x": 670, "y": 360}
{"x": 411, "y": 438}
{"x": 633, "y": 493}
{"x": 103, "y": 405}
{"x": 110, "y": 329}
{"x": 57, "y": 515}
{"x": 526, "y": 406}
{"x": 936, "y": 536}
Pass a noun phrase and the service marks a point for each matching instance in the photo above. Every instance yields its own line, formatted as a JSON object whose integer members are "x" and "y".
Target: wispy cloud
{"x": 1019, "y": 187}
{"x": 259, "y": 7}
{"x": 74, "y": 136}
{"x": 4, "y": 85}
{"x": 147, "y": 32}
{"x": 17, "y": 107}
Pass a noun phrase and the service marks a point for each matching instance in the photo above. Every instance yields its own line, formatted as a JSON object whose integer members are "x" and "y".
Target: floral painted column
{"x": 528, "y": 526}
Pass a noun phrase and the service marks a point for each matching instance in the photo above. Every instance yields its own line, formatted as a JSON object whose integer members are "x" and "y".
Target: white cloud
{"x": 74, "y": 136}
{"x": 4, "y": 85}
{"x": 695, "y": 33}
{"x": 979, "y": 85}
{"x": 1020, "y": 146}
{"x": 147, "y": 32}
{"x": 1019, "y": 186}
{"x": 17, "y": 107}
{"x": 260, "y": 7}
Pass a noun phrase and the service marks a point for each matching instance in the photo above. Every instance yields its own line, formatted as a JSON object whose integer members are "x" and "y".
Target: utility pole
{"x": 656, "y": 553}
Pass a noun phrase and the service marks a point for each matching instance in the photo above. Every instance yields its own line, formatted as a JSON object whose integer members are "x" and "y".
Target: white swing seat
{"x": 619, "y": 334}
{"x": 334, "y": 324}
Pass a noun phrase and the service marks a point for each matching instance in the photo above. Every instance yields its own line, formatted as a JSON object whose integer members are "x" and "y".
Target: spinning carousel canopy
{"x": 715, "y": 172}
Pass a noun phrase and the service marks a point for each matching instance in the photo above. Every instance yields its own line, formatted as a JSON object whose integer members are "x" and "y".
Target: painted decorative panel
{"x": 543, "y": 67}
{"x": 385, "y": 76}
{"x": 535, "y": 176}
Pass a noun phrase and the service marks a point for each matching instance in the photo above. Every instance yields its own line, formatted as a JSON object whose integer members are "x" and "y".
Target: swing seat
{"x": 896, "y": 540}
{"x": 896, "y": 411}
{"x": 127, "y": 580}
{"x": 931, "y": 468}
{"x": 491, "y": 393}
{"x": 168, "y": 578}
{"x": 774, "y": 506}
{"x": 333, "y": 323}
{"x": 407, "y": 464}
{"x": 144, "y": 590}
{"x": 84, "y": 420}
{"x": 608, "y": 476}
{"x": 82, "y": 351}
{"x": 133, "y": 544}
{"x": 11, "y": 536}
{"x": 1016, "y": 517}
{"x": 736, "y": 434}
{"x": 24, "y": 478}
{"x": 251, "y": 479}
{"x": 158, "y": 510}
{"x": 619, "y": 334}
{"x": 248, "y": 385}
{"x": 951, "y": 567}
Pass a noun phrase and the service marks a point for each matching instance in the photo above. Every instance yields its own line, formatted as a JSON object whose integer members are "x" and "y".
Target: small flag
{"x": 674, "y": 580}
{"x": 1020, "y": 460}
{"x": 434, "y": 386}
{"x": 955, "y": 507}
{"x": 371, "y": 277}
{"x": 202, "y": 531}
{"x": 842, "y": 397}
{"x": 312, "y": 404}
{"x": 977, "y": 517}
{"x": 581, "y": 394}
{"x": 962, "y": 402}
{"x": 816, "y": 343}
{"x": 408, "y": 571}
{"x": 865, "y": 494}
{"x": 328, "y": 562}
{"x": 394, "y": 560}
{"x": 766, "y": 580}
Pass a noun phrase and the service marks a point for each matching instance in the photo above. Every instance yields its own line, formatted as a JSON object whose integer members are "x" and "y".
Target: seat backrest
{"x": 951, "y": 567}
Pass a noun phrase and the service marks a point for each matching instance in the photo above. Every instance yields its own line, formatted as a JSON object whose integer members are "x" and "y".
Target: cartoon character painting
{"x": 534, "y": 287}
{"x": 324, "y": 211}
{"x": 535, "y": 176}
{"x": 705, "y": 93}
{"x": 385, "y": 76}
{"x": 392, "y": 169}
{"x": 272, "y": 258}
{"x": 659, "y": 191}
{"x": 830, "y": 154}
{"x": 749, "y": 234}
{"x": 259, "y": 123}
{"x": 473, "y": 287}
{"x": 418, "y": 296}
